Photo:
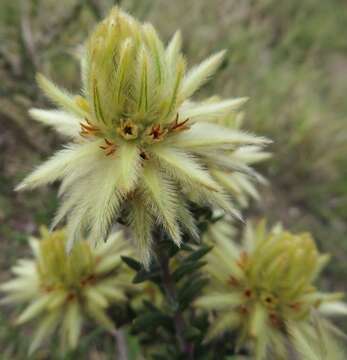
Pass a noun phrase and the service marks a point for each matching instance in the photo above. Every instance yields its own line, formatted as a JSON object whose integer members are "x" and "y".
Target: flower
{"x": 139, "y": 148}
{"x": 263, "y": 289}
{"x": 62, "y": 290}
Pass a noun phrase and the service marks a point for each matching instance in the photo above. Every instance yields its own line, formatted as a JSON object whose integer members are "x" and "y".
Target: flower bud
{"x": 265, "y": 289}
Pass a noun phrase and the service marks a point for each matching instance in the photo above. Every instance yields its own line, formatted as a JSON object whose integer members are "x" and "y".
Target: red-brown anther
{"x": 268, "y": 300}
{"x": 296, "y": 306}
{"x": 274, "y": 319}
{"x": 87, "y": 130}
{"x": 48, "y": 288}
{"x": 71, "y": 297}
{"x": 248, "y": 293}
{"x": 179, "y": 126}
{"x": 144, "y": 155}
{"x": 109, "y": 148}
{"x": 131, "y": 195}
{"x": 232, "y": 281}
{"x": 243, "y": 310}
{"x": 87, "y": 280}
{"x": 157, "y": 133}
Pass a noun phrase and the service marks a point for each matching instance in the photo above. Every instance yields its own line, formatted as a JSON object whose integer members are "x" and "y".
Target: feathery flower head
{"x": 62, "y": 290}
{"x": 264, "y": 289}
{"x": 139, "y": 147}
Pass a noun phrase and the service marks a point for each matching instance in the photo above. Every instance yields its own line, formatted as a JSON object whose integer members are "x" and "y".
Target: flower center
{"x": 128, "y": 130}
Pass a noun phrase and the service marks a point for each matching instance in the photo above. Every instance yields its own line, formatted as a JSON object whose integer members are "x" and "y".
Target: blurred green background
{"x": 289, "y": 57}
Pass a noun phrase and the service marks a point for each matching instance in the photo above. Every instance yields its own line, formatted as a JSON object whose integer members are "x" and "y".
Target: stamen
{"x": 89, "y": 279}
{"x": 296, "y": 306}
{"x": 232, "y": 281}
{"x": 275, "y": 320}
{"x": 108, "y": 142}
{"x": 88, "y": 129}
{"x": 109, "y": 148}
{"x": 144, "y": 155}
{"x": 248, "y": 293}
{"x": 72, "y": 296}
{"x": 155, "y": 134}
{"x": 243, "y": 310}
{"x": 47, "y": 288}
{"x": 177, "y": 126}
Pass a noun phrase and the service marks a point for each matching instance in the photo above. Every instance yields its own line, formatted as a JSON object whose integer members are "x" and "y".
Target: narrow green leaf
{"x": 190, "y": 292}
{"x": 151, "y": 320}
{"x": 198, "y": 254}
{"x": 132, "y": 263}
{"x": 144, "y": 275}
{"x": 187, "y": 268}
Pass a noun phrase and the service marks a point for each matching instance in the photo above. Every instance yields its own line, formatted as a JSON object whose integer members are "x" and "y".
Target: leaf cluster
{"x": 174, "y": 330}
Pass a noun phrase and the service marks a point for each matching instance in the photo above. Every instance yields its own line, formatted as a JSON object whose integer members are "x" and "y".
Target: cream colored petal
{"x": 211, "y": 111}
{"x": 73, "y": 324}
{"x": 219, "y": 301}
{"x": 212, "y": 135}
{"x": 184, "y": 167}
{"x": 161, "y": 195}
{"x": 142, "y": 222}
{"x": 63, "y": 122}
{"x": 60, "y": 97}
{"x": 60, "y": 164}
{"x": 199, "y": 74}
{"x": 43, "y": 330}
{"x": 34, "y": 308}
{"x": 223, "y": 323}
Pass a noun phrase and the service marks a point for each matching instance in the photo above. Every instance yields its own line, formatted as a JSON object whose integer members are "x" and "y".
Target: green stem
{"x": 171, "y": 295}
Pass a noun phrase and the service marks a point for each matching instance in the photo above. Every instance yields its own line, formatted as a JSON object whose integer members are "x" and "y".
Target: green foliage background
{"x": 289, "y": 57}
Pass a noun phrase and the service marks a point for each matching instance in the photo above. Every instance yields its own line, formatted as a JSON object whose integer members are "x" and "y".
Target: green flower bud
{"x": 63, "y": 290}
{"x": 264, "y": 289}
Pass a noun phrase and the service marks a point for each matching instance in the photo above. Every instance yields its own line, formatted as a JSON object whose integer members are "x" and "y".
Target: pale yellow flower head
{"x": 139, "y": 147}
{"x": 264, "y": 290}
{"x": 64, "y": 290}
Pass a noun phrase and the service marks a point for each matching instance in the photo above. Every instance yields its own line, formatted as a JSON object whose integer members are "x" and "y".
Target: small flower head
{"x": 265, "y": 290}
{"x": 62, "y": 290}
{"x": 139, "y": 145}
